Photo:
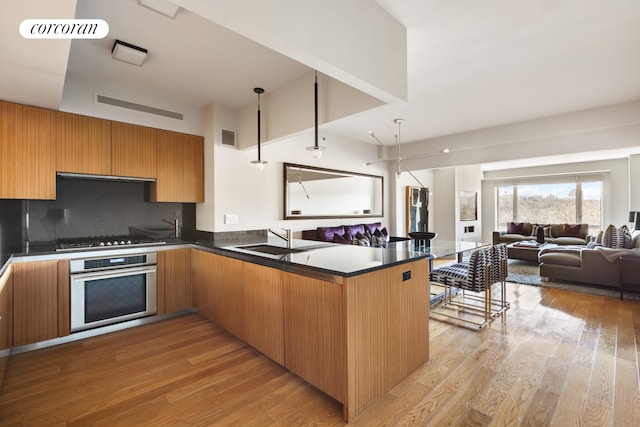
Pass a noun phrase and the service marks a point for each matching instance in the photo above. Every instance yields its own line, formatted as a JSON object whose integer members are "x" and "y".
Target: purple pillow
{"x": 326, "y": 233}
{"x": 515, "y": 228}
{"x": 373, "y": 227}
{"x": 341, "y": 239}
{"x": 354, "y": 229}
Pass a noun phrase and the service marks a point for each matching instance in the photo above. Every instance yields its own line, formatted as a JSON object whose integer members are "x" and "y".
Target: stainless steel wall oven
{"x": 112, "y": 289}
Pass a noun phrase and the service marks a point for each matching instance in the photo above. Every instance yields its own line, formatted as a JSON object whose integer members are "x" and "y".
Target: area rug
{"x": 523, "y": 272}
{"x": 528, "y": 273}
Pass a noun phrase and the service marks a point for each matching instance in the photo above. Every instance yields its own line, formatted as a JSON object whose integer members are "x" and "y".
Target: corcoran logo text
{"x": 64, "y": 29}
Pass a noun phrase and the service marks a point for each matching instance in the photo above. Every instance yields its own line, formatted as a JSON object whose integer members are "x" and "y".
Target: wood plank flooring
{"x": 558, "y": 359}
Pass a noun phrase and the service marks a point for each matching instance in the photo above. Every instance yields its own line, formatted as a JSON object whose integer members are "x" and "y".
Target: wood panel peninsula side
{"x": 354, "y": 336}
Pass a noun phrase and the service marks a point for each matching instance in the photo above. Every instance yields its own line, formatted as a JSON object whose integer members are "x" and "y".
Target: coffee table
{"x": 526, "y": 251}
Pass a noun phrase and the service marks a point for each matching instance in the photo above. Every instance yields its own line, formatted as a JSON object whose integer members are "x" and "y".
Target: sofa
{"x": 595, "y": 263}
{"x": 560, "y": 234}
{"x": 373, "y": 234}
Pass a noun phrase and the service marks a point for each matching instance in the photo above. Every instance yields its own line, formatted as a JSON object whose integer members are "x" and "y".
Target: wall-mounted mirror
{"x": 311, "y": 192}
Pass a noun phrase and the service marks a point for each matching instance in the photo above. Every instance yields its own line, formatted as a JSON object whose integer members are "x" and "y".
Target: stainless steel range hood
{"x": 69, "y": 175}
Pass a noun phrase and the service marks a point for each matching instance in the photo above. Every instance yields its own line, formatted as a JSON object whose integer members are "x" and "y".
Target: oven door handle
{"x": 119, "y": 272}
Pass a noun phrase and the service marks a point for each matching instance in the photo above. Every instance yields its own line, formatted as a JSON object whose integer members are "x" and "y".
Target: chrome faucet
{"x": 176, "y": 225}
{"x": 286, "y": 238}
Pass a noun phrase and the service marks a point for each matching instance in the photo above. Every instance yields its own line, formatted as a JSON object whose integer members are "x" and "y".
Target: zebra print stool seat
{"x": 485, "y": 267}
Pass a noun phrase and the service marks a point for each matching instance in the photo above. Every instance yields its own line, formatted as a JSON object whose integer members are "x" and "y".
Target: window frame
{"x": 578, "y": 180}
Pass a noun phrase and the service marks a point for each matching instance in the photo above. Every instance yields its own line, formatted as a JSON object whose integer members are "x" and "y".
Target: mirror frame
{"x": 319, "y": 169}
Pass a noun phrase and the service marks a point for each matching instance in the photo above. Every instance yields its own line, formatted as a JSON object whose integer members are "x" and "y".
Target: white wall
{"x": 468, "y": 178}
{"x": 634, "y": 182}
{"x": 79, "y": 99}
{"x": 606, "y": 128}
{"x": 444, "y": 203}
{"x": 288, "y": 110}
{"x": 257, "y": 196}
{"x": 337, "y": 44}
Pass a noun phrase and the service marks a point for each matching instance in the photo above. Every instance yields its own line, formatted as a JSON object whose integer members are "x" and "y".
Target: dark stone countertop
{"x": 314, "y": 257}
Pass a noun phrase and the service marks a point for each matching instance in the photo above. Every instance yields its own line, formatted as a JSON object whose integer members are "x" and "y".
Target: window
{"x": 551, "y": 202}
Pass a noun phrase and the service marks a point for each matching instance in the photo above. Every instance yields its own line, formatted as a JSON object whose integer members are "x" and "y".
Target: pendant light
{"x": 259, "y": 163}
{"x": 399, "y": 156}
{"x": 316, "y": 149}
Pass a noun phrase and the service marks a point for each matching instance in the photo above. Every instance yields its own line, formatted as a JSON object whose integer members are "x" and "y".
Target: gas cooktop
{"x": 104, "y": 242}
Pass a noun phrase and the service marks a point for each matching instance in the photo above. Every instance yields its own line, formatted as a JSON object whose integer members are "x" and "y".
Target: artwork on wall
{"x": 417, "y": 209}
{"x": 468, "y": 205}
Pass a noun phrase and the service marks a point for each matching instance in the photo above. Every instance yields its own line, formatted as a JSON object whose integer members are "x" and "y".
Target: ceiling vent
{"x": 228, "y": 138}
{"x": 102, "y": 99}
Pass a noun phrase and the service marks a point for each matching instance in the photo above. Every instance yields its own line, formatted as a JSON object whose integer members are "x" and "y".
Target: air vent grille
{"x": 102, "y": 99}
{"x": 228, "y": 138}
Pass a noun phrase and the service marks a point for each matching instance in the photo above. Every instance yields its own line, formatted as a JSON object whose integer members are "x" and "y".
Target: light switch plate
{"x": 231, "y": 218}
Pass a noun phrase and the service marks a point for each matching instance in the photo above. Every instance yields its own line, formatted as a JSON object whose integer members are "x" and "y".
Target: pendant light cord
{"x": 315, "y": 107}
{"x": 259, "y": 157}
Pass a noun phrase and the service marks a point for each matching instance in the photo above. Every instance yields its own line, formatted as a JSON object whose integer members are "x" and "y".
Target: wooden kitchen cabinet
{"x": 6, "y": 316}
{"x": 27, "y": 153}
{"x": 314, "y": 330}
{"x": 218, "y": 290}
{"x": 357, "y": 337}
{"x": 243, "y": 298}
{"x": 174, "y": 281}
{"x": 263, "y": 320}
{"x": 180, "y": 173}
{"x": 134, "y": 150}
{"x": 35, "y": 302}
{"x": 6, "y": 319}
{"x": 83, "y": 144}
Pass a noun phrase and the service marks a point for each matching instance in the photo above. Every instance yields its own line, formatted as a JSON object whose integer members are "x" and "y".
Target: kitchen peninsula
{"x": 352, "y": 321}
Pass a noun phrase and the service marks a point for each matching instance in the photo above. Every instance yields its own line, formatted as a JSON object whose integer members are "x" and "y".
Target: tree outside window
{"x": 551, "y": 203}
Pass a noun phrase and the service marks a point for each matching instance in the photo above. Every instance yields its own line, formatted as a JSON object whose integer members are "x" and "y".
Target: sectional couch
{"x": 560, "y": 234}
{"x": 592, "y": 264}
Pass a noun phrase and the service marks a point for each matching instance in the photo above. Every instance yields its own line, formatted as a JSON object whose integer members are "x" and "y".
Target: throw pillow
{"x": 515, "y": 228}
{"x": 341, "y": 239}
{"x": 546, "y": 230}
{"x": 382, "y": 234}
{"x": 326, "y": 233}
{"x": 372, "y": 227}
{"x": 361, "y": 240}
{"x": 616, "y": 238}
{"x": 354, "y": 229}
{"x": 385, "y": 233}
{"x": 378, "y": 241}
{"x": 572, "y": 230}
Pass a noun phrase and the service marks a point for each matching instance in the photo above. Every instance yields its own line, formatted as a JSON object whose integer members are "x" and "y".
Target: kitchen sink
{"x": 271, "y": 250}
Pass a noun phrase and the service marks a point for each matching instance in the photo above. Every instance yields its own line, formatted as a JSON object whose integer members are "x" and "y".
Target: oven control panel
{"x": 82, "y": 265}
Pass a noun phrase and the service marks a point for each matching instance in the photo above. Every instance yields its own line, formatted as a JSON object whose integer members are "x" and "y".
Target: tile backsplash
{"x": 86, "y": 208}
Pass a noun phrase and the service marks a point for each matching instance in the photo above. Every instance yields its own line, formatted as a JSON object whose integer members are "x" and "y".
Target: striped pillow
{"x": 617, "y": 238}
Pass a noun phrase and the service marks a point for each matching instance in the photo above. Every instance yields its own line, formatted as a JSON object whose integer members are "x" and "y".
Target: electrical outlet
{"x": 231, "y": 218}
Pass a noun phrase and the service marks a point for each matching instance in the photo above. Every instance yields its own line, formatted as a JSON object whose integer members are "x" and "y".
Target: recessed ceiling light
{"x": 164, "y": 7}
{"x": 126, "y": 52}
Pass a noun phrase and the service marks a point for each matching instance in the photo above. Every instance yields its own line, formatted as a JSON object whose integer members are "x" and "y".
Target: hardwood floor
{"x": 559, "y": 359}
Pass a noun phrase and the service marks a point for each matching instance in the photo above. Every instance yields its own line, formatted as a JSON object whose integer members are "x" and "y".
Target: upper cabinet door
{"x": 133, "y": 150}
{"x": 194, "y": 168}
{"x": 83, "y": 144}
{"x": 27, "y": 153}
{"x": 180, "y": 168}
